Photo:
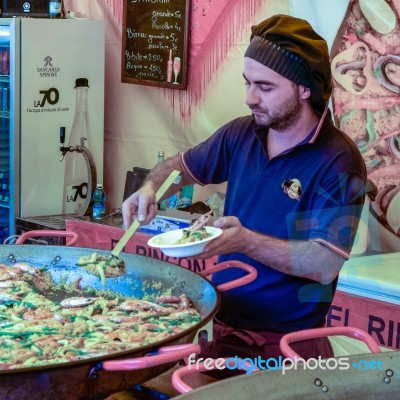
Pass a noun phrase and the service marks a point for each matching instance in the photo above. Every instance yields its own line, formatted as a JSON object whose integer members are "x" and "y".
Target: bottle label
{"x": 186, "y": 197}
{"x": 74, "y": 197}
{"x": 169, "y": 203}
{"x": 54, "y": 8}
{"x": 99, "y": 210}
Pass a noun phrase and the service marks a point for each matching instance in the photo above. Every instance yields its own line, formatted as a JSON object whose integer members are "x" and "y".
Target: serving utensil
{"x": 174, "y": 178}
{"x": 198, "y": 224}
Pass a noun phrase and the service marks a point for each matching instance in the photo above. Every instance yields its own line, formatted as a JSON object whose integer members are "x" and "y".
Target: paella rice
{"x": 189, "y": 236}
{"x": 102, "y": 265}
{"x": 36, "y": 330}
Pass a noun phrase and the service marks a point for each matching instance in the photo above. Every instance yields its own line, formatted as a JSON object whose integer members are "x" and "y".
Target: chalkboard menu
{"x": 154, "y": 42}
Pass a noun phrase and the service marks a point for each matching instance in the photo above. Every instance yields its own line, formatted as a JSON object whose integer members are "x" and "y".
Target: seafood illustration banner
{"x": 365, "y": 64}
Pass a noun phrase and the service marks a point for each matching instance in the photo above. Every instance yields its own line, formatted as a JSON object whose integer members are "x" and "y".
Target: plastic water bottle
{"x": 186, "y": 197}
{"x": 170, "y": 202}
{"x": 99, "y": 202}
{"x": 56, "y": 9}
{"x": 160, "y": 157}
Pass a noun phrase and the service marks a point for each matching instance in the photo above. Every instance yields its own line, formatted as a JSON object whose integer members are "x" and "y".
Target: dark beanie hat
{"x": 291, "y": 47}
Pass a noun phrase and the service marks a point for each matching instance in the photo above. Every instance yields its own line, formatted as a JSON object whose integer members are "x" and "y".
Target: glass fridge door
{"x": 6, "y": 162}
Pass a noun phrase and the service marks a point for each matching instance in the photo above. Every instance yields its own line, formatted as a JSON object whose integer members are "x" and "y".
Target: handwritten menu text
{"x": 154, "y": 42}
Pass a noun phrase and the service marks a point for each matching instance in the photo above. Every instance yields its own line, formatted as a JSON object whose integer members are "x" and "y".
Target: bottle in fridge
{"x": 6, "y": 207}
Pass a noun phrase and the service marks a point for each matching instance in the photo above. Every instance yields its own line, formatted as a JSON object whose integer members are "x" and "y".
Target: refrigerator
{"x": 40, "y": 60}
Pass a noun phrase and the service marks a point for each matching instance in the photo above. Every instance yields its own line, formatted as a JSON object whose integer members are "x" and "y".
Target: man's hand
{"x": 140, "y": 204}
{"x": 231, "y": 241}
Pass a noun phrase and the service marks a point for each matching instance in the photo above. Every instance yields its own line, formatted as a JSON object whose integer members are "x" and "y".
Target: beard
{"x": 283, "y": 115}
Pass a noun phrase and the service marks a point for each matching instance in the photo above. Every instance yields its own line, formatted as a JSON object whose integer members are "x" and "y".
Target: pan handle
{"x": 164, "y": 355}
{"x": 250, "y": 277}
{"x": 56, "y": 233}
{"x": 348, "y": 331}
{"x": 207, "y": 365}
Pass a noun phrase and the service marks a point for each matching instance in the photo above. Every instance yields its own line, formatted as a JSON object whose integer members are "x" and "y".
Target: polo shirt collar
{"x": 261, "y": 132}
{"x": 312, "y": 137}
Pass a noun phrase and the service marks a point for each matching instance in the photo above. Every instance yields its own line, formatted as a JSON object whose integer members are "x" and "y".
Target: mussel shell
{"x": 72, "y": 302}
{"x": 379, "y": 15}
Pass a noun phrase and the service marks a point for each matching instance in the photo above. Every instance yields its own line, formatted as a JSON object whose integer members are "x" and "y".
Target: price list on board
{"x": 154, "y": 50}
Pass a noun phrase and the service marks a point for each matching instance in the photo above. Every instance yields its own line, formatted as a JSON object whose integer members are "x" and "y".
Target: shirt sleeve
{"x": 208, "y": 162}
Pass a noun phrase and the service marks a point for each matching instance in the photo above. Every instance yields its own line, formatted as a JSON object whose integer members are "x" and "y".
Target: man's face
{"x": 274, "y": 100}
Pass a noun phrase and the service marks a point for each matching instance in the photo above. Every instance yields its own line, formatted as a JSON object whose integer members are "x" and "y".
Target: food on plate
{"x": 174, "y": 244}
{"x": 189, "y": 236}
{"x": 35, "y": 330}
{"x": 196, "y": 231}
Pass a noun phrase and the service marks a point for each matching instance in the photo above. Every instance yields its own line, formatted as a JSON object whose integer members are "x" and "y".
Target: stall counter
{"x": 368, "y": 297}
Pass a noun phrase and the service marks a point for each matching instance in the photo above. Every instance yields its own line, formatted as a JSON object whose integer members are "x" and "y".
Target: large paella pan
{"x": 98, "y": 376}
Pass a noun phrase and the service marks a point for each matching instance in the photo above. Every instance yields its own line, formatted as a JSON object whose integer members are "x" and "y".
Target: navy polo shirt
{"x": 313, "y": 191}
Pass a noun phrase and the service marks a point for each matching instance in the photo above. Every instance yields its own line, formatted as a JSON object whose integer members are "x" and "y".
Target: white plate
{"x": 167, "y": 243}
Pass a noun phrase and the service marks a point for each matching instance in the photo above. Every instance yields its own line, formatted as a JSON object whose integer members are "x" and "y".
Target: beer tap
{"x": 63, "y": 149}
{"x": 90, "y": 164}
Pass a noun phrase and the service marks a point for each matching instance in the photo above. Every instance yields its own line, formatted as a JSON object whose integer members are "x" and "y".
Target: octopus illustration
{"x": 366, "y": 98}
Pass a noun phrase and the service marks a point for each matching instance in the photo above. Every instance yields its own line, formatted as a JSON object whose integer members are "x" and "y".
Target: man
{"x": 294, "y": 194}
